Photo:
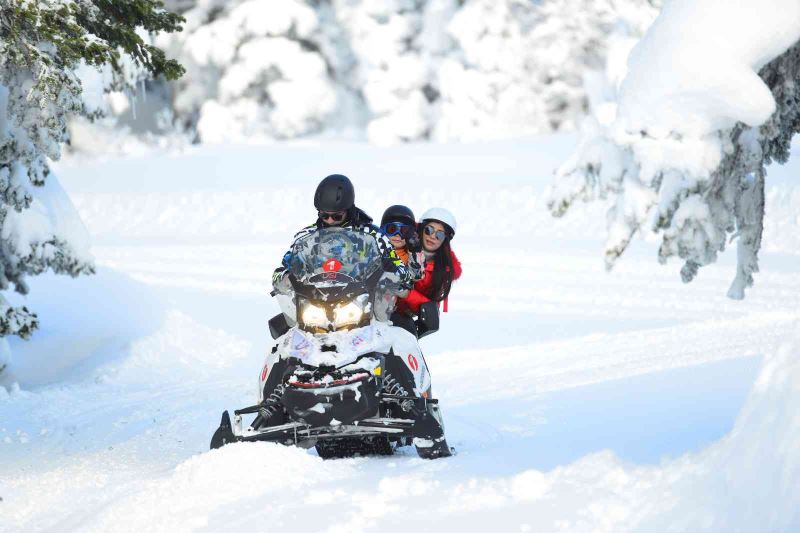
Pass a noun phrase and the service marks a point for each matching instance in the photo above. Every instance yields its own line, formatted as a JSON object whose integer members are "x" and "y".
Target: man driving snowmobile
{"x": 335, "y": 203}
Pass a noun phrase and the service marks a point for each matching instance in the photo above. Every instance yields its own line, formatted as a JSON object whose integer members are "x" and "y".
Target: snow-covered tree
{"x": 255, "y": 70}
{"x": 480, "y": 69}
{"x": 709, "y": 100}
{"x": 42, "y": 46}
{"x": 390, "y": 70}
{"x": 520, "y": 65}
{"x": 398, "y": 45}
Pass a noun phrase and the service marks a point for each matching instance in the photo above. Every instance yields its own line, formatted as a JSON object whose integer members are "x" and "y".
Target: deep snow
{"x": 578, "y": 400}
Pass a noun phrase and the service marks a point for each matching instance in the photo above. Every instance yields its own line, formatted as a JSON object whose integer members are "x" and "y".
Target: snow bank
{"x": 171, "y": 352}
{"x": 50, "y": 216}
{"x": 749, "y": 481}
{"x": 85, "y": 323}
{"x": 205, "y": 491}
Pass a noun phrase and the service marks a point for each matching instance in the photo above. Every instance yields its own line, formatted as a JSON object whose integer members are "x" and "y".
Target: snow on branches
{"x": 397, "y": 46}
{"x": 41, "y": 46}
{"x": 391, "y": 70}
{"x": 254, "y": 70}
{"x": 519, "y": 65}
{"x": 709, "y": 100}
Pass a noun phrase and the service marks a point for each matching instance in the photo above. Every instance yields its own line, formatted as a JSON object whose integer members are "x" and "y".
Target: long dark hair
{"x": 442, "y": 269}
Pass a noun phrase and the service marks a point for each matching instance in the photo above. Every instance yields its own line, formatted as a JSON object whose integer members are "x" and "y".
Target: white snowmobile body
{"x": 350, "y": 345}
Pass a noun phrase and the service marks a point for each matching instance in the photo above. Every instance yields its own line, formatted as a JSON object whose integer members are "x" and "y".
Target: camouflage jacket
{"x": 363, "y": 223}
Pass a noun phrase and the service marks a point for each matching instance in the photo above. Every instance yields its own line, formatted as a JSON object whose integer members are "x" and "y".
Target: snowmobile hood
{"x": 337, "y": 348}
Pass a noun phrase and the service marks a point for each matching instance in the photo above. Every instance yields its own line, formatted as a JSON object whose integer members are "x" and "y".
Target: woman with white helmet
{"x": 437, "y": 228}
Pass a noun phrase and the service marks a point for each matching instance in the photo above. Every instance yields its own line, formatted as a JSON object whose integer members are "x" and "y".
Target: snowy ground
{"x": 578, "y": 400}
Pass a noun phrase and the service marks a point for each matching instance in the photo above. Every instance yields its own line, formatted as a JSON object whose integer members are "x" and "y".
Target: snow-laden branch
{"x": 709, "y": 100}
{"x": 42, "y": 45}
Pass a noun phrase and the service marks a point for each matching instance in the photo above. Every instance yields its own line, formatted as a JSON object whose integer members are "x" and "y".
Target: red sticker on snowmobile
{"x": 413, "y": 363}
{"x": 332, "y": 265}
{"x": 264, "y": 373}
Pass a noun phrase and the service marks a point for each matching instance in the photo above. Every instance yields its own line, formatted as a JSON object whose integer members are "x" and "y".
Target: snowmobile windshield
{"x": 335, "y": 257}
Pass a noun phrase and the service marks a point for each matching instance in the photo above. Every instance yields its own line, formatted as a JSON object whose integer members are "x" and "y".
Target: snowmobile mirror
{"x": 278, "y": 325}
{"x": 428, "y": 321}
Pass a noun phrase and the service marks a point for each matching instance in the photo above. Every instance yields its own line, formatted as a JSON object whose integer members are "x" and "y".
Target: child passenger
{"x": 398, "y": 223}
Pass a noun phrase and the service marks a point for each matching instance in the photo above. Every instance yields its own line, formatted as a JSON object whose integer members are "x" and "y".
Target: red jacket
{"x": 422, "y": 289}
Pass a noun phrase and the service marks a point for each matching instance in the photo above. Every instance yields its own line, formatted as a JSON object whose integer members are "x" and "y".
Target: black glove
{"x": 388, "y": 265}
{"x": 413, "y": 243}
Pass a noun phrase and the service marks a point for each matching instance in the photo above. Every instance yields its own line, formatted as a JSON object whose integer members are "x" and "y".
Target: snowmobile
{"x": 340, "y": 377}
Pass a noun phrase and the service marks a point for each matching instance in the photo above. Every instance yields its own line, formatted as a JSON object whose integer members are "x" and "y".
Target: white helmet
{"x": 442, "y": 215}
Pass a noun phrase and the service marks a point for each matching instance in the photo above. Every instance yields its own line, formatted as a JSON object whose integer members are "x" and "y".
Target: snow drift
{"x": 749, "y": 481}
{"x": 86, "y": 323}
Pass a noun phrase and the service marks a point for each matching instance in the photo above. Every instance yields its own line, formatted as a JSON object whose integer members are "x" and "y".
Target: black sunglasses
{"x": 337, "y": 216}
{"x": 433, "y": 232}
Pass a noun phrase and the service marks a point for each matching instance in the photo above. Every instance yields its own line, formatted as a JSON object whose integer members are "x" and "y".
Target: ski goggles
{"x": 433, "y": 232}
{"x": 395, "y": 228}
{"x": 337, "y": 216}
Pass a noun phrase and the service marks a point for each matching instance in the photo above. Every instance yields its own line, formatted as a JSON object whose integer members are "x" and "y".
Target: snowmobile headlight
{"x": 348, "y": 314}
{"x": 314, "y": 315}
{"x": 351, "y": 313}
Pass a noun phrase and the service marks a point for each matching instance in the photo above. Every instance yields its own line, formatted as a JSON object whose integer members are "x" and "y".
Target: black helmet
{"x": 398, "y": 213}
{"x": 335, "y": 193}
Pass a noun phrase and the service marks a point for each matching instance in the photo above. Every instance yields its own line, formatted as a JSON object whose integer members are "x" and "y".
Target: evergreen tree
{"x": 255, "y": 70}
{"x": 42, "y": 44}
{"x": 398, "y": 70}
{"x": 398, "y": 46}
{"x": 684, "y": 151}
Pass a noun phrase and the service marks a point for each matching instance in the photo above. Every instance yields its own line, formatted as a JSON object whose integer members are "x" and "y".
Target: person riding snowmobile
{"x": 436, "y": 229}
{"x": 399, "y": 224}
{"x": 335, "y": 203}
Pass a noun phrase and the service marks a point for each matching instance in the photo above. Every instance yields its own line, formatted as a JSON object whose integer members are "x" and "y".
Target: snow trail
{"x": 554, "y": 376}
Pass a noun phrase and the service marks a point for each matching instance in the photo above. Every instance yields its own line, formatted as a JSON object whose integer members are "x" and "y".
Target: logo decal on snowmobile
{"x": 363, "y": 339}
{"x": 264, "y": 373}
{"x": 413, "y": 363}
{"x": 299, "y": 345}
{"x": 332, "y": 265}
